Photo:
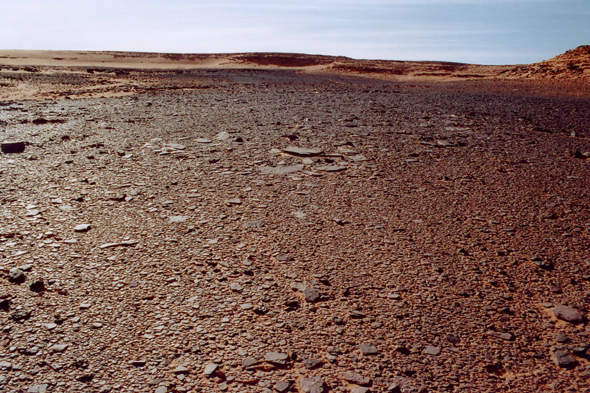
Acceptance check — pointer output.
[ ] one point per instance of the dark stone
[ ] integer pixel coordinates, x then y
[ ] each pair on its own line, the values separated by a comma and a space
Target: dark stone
311, 363
567, 313
564, 359
311, 295
86, 378
37, 286
20, 315
10, 147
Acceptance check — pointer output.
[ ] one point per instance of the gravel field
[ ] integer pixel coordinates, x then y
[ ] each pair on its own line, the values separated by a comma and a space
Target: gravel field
258, 231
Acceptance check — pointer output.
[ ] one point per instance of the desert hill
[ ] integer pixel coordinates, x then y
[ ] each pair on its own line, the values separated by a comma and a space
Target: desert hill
39, 74
573, 64
19, 59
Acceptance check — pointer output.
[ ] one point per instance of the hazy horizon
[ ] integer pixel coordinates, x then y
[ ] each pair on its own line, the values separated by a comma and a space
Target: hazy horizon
467, 31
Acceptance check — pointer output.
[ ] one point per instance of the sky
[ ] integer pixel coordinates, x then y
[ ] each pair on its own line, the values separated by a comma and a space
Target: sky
469, 31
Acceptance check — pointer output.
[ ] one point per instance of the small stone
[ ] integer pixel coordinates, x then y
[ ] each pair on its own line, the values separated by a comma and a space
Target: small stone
567, 313
312, 385
254, 224
20, 315
246, 306
249, 362
431, 350
174, 219
302, 151
184, 370
277, 358
561, 338
282, 386
453, 339
5, 304
311, 363
161, 389
109, 245
359, 390
38, 388
234, 201
502, 336
333, 168
203, 140
401, 385
82, 228
564, 359
223, 136
59, 348
11, 147
356, 378
369, 350
97, 325
210, 369
85, 306
51, 326
281, 170
37, 285
236, 287
16, 275
311, 295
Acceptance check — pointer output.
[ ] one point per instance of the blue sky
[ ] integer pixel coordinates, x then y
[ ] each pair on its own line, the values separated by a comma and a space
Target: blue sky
472, 31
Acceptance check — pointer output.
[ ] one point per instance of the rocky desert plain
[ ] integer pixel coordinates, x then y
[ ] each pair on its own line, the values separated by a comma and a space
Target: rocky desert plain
266, 222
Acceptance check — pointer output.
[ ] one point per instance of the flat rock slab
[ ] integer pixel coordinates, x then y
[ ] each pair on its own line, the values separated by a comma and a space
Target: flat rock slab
282, 386
176, 146
432, 350
564, 359
38, 388
254, 224
311, 295
369, 350
302, 151
281, 170
355, 378
312, 385
332, 168
568, 313
501, 336
82, 228
109, 245
10, 147
210, 369
277, 358
174, 219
